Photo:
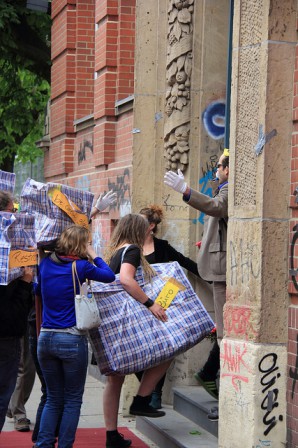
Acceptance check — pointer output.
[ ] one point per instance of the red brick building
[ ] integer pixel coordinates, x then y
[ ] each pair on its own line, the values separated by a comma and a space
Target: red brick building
91, 98
93, 56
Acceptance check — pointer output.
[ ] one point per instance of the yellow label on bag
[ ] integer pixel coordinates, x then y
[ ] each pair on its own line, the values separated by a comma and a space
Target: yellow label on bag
169, 292
69, 207
18, 258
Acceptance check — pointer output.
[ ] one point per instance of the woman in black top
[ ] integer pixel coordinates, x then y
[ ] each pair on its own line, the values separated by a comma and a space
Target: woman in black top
124, 255
157, 250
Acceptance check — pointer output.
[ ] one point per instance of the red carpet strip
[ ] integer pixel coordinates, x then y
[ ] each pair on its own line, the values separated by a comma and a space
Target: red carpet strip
85, 438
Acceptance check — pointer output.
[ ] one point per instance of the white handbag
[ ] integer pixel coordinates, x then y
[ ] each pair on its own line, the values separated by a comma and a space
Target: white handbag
86, 309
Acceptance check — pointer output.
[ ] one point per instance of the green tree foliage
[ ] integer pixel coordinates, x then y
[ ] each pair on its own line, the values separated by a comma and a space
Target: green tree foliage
24, 80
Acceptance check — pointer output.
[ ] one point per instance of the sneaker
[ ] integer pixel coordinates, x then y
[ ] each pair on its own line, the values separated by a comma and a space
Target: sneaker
156, 400
213, 415
22, 425
209, 386
117, 440
140, 406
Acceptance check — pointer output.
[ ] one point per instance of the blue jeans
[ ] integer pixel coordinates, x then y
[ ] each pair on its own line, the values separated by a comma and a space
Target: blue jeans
63, 358
10, 352
43, 398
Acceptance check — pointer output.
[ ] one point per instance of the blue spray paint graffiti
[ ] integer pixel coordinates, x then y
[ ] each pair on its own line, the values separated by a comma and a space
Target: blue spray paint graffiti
214, 119
97, 239
206, 189
83, 183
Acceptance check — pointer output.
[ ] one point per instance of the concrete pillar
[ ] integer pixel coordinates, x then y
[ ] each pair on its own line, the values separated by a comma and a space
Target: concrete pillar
180, 82
252, 404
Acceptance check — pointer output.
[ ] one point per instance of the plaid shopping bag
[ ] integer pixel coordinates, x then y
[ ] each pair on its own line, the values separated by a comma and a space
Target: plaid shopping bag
17, 234
7, 181
48, 202
131, 339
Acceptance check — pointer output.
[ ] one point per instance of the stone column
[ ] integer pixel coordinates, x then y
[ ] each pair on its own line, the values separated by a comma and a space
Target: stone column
180, 83
252, 404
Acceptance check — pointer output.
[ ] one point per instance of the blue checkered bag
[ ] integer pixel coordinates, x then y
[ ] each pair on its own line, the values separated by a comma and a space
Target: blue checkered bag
50, 220
17, 231
131, 339
7, 181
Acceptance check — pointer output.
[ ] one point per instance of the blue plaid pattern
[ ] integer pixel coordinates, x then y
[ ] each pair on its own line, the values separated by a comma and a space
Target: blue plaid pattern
7, 181
17, 231
50, 220
131, 339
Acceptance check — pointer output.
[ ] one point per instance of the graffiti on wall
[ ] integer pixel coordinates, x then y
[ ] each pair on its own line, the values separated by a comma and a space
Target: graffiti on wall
234, 363
205, 186
245, 262
293, 373
169, 206
214, 119
98, 241
84, 146
83, 183
121, 186
262, 443
238, 322
293, 271
269, 375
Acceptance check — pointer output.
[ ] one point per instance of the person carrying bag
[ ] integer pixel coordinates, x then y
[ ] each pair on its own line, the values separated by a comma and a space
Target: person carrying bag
62, 347
87, 313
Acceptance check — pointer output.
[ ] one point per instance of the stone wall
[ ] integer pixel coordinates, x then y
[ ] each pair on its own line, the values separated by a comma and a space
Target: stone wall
254, 351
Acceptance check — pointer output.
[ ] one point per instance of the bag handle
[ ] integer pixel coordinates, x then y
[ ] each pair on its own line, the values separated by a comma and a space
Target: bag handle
124, 252
74, 276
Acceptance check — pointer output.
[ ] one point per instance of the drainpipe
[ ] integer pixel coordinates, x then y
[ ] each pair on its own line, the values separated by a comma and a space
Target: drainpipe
229, 77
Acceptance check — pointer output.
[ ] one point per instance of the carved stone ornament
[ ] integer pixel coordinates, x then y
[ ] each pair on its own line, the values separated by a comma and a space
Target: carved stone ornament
178, 77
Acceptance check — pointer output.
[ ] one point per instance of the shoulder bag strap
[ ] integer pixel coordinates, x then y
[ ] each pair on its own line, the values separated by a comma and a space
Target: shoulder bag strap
124, 252
74, 276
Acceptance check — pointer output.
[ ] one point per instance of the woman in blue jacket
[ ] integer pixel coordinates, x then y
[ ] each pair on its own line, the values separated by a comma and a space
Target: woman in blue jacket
62, 348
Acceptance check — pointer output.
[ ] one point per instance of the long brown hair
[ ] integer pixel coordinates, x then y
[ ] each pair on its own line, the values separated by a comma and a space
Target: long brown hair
131, 229
154, 215
73, 241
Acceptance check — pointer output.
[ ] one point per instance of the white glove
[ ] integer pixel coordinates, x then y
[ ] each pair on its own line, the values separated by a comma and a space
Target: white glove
175, 181
105, 201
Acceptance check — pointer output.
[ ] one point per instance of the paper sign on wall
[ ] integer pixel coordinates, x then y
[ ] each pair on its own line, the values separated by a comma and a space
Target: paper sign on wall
169, 292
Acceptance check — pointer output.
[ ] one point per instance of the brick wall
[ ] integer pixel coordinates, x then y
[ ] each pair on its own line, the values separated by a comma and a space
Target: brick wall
92, 68
292, 385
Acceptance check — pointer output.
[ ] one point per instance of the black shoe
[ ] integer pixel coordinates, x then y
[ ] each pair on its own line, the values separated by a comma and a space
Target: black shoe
141, 406
116, 440
213, 415
156, 400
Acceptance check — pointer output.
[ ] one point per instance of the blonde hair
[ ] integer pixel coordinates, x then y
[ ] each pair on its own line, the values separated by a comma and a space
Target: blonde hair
73, 241
131, 229
154, 215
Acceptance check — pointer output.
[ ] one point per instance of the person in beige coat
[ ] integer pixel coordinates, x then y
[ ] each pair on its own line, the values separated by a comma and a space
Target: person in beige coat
212, 254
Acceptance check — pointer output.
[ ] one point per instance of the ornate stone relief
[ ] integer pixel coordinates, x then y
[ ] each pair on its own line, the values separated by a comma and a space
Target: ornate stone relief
178, 77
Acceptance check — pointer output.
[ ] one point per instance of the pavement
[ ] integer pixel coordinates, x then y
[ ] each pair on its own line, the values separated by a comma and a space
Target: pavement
91, 411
